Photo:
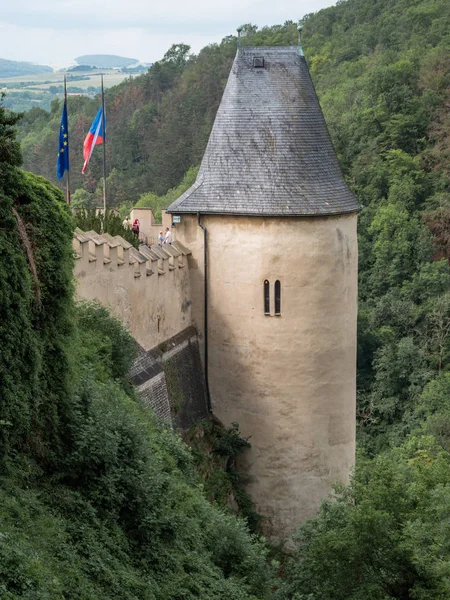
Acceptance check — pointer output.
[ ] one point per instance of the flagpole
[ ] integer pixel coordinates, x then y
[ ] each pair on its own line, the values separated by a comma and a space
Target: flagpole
68, 146
104, 148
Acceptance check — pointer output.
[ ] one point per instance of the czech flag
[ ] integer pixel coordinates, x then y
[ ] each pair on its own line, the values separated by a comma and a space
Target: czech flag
94, 137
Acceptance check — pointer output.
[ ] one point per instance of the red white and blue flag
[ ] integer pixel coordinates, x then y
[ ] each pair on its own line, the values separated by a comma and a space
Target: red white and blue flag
93, 138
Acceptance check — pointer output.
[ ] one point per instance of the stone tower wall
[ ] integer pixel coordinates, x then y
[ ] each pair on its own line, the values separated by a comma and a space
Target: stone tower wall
288, 380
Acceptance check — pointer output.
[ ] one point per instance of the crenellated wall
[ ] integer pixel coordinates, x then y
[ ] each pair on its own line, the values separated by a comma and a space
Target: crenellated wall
148, 289
149, 227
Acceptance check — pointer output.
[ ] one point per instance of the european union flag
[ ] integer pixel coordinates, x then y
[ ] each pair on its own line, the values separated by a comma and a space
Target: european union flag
62, 163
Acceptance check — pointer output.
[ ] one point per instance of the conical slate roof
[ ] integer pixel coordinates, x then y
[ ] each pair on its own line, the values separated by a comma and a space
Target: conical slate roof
269, 152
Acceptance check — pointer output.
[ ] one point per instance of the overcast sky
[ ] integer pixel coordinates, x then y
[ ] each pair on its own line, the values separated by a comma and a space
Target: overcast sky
56, 31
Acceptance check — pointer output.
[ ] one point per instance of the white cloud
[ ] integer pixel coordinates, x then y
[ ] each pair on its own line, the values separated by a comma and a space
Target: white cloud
51, 31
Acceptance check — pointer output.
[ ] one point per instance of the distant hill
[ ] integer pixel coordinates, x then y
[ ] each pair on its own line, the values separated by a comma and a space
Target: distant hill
82, 68
106, 61
13, 68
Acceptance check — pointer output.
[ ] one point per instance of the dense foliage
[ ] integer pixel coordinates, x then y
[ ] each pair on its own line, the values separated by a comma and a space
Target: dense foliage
215, 449
96, 499
35, 307
385, 536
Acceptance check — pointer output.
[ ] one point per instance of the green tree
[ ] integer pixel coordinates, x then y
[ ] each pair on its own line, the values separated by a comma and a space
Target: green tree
372, 540
399, 243
82, 199
177, 54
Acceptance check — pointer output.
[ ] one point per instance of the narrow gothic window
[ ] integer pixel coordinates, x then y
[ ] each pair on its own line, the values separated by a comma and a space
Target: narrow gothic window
266, 297
277, 297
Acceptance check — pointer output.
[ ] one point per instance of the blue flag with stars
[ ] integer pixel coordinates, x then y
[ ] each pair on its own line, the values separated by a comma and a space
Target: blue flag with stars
62, 164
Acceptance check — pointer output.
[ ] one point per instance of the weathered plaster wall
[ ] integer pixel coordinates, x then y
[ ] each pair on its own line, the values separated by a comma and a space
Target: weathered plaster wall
188, 229
289, 381
150, 293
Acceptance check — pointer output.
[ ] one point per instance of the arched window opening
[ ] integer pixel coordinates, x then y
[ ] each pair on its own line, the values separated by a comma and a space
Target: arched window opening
266, 297
277, 297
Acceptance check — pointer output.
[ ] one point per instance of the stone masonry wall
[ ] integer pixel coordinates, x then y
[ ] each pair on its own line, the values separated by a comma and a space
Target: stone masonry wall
147, 375
184, 377
169, 380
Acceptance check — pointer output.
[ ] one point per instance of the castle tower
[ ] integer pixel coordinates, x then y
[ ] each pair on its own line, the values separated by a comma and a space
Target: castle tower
278, 223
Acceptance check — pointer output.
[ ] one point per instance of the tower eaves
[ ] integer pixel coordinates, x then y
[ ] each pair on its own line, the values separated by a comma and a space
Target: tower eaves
269, 152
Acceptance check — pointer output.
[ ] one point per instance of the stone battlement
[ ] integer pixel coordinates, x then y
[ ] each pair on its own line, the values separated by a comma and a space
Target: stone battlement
148, 289
94, 251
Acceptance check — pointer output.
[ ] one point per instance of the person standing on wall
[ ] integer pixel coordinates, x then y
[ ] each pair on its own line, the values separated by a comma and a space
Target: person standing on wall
161, 238
135, 227
168, 236
127, 223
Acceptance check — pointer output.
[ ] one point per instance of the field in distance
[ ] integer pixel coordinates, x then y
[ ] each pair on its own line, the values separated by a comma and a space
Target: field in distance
44, 80
26, 91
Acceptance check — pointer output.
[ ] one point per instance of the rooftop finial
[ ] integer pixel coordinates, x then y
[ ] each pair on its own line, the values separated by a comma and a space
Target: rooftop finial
239, 30
300, 49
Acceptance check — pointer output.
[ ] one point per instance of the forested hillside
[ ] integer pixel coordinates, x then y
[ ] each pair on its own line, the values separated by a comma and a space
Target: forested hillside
382, 72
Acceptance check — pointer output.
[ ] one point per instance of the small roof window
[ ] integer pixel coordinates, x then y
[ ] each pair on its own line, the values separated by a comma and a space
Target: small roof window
258, 62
